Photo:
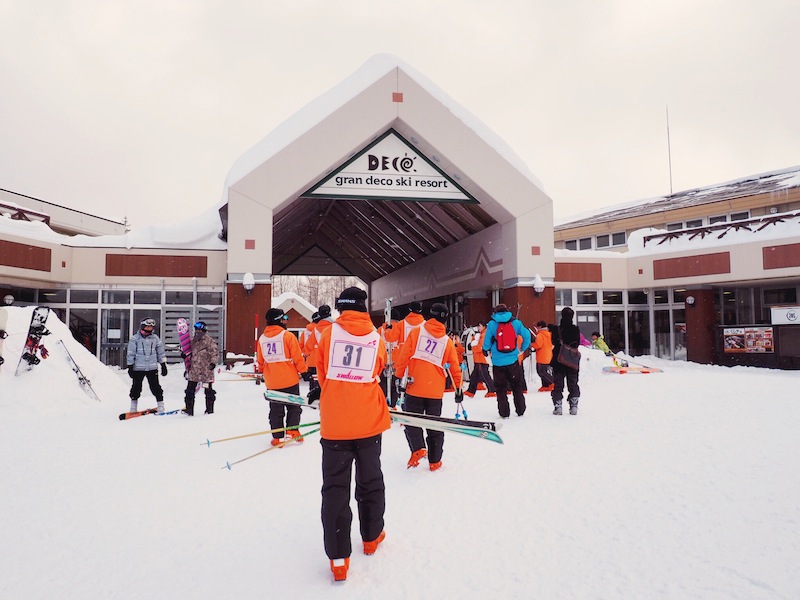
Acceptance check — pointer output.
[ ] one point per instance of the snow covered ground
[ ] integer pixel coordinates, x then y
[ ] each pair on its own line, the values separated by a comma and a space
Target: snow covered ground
682, 484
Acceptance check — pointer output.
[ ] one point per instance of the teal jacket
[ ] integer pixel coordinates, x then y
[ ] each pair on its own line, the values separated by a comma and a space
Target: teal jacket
503, 359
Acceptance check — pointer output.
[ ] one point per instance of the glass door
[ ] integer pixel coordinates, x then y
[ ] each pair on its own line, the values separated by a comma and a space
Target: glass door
116, 323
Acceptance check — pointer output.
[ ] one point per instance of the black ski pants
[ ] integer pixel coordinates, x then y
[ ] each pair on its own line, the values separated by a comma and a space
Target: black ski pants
480, 372
560, 375
434, 439
545, 371
152, 381
338, 457
277, 412
509, 377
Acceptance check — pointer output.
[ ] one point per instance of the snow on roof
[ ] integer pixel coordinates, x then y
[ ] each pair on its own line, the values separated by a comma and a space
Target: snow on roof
200, 232
328, 103
763, 183
288, 300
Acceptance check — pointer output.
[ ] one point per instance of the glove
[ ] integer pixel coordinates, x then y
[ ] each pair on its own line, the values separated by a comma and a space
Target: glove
485, 353
459, 396
183, 355
388, 326
211, 366
306, 376
398, 385
130, 371
313, 395
163, 369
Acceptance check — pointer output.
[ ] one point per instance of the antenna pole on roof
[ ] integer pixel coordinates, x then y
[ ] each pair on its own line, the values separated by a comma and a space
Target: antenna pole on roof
669, 154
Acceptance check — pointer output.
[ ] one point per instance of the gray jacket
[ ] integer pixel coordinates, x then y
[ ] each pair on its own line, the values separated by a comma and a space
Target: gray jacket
145, 353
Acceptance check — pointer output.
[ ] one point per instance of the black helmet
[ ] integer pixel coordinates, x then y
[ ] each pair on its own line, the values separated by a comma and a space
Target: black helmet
200, 325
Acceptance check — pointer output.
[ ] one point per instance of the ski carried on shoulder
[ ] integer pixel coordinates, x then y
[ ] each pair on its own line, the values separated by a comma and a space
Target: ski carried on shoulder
486, 430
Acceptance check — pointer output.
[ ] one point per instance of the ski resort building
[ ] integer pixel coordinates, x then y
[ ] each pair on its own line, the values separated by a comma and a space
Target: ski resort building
387, 178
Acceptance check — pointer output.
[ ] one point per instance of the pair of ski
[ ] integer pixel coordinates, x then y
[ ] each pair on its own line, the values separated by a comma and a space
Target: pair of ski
486, 430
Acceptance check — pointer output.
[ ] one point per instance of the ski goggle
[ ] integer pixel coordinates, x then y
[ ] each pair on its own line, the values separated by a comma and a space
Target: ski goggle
200, 325
148, 323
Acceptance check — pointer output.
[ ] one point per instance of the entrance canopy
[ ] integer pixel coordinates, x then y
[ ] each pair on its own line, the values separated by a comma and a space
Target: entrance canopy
381, 172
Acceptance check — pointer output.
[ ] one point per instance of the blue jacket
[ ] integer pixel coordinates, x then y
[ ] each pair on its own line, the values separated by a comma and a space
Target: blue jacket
502, 359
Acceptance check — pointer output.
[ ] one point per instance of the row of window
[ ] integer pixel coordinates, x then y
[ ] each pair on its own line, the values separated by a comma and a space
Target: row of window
568, 297
714, 220
605, 240
61, 296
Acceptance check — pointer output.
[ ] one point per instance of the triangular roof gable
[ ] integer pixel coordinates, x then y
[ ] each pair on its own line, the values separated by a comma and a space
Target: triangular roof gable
390, 168
329, 130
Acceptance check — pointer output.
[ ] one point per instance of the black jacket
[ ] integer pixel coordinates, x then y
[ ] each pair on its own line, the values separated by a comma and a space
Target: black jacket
571, 336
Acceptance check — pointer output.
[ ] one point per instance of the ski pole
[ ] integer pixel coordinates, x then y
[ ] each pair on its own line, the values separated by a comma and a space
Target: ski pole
246, 435
228, 465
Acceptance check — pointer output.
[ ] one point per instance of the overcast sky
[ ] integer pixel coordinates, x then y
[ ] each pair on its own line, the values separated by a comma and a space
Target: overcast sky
140, 108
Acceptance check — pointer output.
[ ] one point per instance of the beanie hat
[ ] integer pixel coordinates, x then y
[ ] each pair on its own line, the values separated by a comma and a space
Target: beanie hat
439, 312
324, 311
275, 316
353, 298
500, 308
415, 307
567, 313
315, 318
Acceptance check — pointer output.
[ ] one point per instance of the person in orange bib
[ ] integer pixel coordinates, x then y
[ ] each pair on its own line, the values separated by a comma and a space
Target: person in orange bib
427, 355
353, 416
280, 359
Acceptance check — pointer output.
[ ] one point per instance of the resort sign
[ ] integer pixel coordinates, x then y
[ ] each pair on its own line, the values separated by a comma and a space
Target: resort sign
390, 168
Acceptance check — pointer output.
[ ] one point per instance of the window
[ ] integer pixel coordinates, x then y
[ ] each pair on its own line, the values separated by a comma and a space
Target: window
563, 297
585, 243
637, 297
618, 239
660, 296
603, 241
52, 296
571, 245
209, 298
146, 297
679, 295
612, 297
116, 297
740, 216
674, 226
780, 296
694, 223
83, 297
180, 298
717, 219
587, 297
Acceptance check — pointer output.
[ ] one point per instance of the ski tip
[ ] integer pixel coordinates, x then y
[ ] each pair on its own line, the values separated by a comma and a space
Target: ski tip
227, 466
122, 417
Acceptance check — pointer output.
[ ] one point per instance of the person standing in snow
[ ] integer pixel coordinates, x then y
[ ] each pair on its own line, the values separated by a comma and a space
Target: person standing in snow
353, 416
566, 333
145, 354
427, 355
480, 366
543, 345
506, 368
280, 360
204, 359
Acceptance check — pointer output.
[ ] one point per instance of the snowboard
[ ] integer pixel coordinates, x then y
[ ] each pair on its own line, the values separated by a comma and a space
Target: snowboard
82, 379
185, 338
34, 350
3, 334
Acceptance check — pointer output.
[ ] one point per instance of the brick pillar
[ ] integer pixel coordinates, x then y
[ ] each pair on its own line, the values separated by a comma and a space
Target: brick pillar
240, 316
534, 308
701, 324
476, 309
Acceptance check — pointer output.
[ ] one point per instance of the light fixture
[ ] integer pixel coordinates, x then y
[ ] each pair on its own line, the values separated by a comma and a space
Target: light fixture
8, 299
690, 300
538, 285
248, 282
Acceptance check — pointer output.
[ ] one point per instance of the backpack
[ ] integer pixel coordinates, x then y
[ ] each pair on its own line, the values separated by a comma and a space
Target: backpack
506, 337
